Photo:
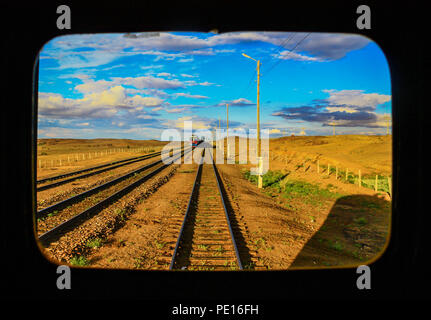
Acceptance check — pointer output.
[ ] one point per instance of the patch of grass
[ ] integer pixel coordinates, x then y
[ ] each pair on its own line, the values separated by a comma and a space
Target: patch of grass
362, 221
271, 178
260, 243
79, 261
159, 245
370, 205
138, 263
121, 213
94, 243
310, 193
175, 205
336, 245
219, 249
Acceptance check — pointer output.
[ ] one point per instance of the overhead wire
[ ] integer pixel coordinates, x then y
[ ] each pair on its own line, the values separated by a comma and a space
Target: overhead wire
290, 51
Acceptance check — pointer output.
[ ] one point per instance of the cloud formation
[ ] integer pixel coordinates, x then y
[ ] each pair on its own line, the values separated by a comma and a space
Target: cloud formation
98, 104
85, 51
345, 108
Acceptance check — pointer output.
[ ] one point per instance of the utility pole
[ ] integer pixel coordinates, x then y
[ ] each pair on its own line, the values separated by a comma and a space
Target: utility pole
259, 158
227, 129
333, 127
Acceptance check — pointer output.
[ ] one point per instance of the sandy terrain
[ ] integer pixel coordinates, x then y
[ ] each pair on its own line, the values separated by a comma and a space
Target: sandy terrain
307, 219
370, 154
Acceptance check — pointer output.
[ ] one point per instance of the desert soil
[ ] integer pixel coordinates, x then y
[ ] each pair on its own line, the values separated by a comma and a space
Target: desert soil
349, 227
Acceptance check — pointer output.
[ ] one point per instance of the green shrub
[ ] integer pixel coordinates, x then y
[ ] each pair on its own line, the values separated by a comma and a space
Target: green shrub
271, 178
79, 261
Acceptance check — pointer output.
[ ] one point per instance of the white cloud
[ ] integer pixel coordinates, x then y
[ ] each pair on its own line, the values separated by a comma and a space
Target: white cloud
165, 74
356, 98
285, 55
184, 75
187, 95
99, 104
176, 110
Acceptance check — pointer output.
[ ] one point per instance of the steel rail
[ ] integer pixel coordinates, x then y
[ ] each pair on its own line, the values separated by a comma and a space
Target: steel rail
196, 185
64, 175
62, 204
86, 175
54, 233
189, 206
226, 214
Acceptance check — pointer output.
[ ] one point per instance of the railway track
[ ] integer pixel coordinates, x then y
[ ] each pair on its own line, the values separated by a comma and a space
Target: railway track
84, 173
206, 240
77, 209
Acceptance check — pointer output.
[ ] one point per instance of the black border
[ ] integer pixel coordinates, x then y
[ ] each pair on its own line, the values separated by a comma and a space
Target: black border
400, 31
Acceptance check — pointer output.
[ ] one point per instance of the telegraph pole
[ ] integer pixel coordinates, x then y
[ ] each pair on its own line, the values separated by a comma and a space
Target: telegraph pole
259, 158
227, 129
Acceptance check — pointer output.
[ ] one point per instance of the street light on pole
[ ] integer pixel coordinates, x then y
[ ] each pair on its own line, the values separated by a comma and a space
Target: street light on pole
259, 158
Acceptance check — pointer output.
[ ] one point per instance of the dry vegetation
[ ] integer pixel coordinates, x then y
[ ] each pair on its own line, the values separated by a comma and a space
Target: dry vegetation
370, 154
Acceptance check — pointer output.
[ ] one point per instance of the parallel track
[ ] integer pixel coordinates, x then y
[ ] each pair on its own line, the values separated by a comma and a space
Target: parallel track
206, 240
91, 171
51, 235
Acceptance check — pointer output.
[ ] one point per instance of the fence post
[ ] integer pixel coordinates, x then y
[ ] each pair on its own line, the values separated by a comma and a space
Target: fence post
318, 166
336, 172
375, 185
328, 169
359, 180
347, 173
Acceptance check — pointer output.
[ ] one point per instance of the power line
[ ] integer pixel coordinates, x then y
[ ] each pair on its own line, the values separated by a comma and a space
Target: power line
281, 46
290, 51
248, 85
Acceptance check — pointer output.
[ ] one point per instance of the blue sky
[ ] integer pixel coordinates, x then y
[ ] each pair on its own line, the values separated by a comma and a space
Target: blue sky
137, 85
